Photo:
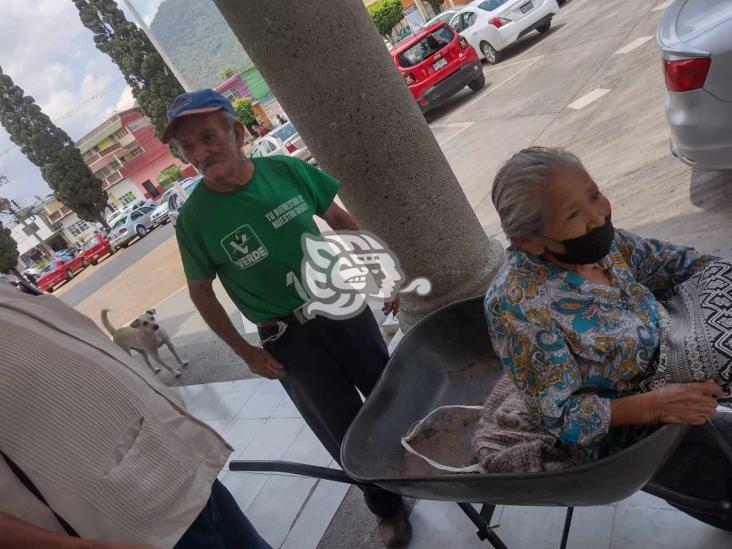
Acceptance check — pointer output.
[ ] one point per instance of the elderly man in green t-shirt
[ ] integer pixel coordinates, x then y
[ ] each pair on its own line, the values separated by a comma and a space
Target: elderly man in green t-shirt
231, 228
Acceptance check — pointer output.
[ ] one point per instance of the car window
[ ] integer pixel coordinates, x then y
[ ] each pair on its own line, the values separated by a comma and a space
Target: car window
256, 151
269, 146
284, 132
490, 5
173, 202
50, 267
145, 209
426, 47
457, 23
468, 19
137, 214
120, 223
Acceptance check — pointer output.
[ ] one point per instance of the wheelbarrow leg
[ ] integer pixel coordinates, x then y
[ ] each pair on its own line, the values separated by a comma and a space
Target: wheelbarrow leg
567, 526
482, 521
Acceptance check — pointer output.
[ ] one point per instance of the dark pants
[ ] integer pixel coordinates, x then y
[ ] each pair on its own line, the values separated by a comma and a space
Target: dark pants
327, 363
221, 525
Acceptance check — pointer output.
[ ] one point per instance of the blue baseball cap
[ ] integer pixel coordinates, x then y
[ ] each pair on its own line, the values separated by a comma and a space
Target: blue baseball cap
196, 102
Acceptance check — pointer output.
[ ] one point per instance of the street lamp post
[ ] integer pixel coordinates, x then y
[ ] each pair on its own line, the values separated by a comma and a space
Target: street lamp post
156, 44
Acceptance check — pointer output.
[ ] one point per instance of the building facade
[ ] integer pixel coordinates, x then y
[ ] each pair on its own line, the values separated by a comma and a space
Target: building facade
125, 155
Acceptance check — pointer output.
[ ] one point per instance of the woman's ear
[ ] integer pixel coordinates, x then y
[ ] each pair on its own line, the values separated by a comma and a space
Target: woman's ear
530, 244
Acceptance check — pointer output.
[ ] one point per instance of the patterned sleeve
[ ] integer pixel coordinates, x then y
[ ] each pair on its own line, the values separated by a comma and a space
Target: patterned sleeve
659, 265
536, 357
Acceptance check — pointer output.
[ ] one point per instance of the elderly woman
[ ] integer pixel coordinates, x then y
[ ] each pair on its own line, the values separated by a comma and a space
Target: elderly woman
572, 311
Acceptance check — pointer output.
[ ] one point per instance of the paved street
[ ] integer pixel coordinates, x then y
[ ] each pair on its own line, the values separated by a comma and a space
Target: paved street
593, 85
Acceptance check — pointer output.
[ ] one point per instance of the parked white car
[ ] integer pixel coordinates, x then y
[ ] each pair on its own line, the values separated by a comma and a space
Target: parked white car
135, 222
443, 17
490, 26
282, 140
175, 200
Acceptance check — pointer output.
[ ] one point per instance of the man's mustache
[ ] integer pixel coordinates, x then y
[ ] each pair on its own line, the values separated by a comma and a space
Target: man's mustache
211, 160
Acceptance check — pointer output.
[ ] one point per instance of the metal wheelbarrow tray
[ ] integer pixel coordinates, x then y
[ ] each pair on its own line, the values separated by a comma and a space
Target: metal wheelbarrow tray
447, 358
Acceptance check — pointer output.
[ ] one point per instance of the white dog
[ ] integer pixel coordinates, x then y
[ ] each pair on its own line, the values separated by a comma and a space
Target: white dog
145, 336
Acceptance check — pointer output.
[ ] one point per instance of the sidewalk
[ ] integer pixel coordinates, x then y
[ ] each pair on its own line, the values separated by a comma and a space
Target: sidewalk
258, 419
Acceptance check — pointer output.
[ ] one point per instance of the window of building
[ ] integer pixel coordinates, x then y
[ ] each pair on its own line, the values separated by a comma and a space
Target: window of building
78, 228
127, 198
119, 134
139, 123
30, 228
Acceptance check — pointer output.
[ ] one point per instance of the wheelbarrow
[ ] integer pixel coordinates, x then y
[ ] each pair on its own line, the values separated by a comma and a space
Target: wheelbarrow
447, 358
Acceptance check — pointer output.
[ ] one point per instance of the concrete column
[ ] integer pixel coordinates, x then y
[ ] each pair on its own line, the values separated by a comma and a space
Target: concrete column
330, 70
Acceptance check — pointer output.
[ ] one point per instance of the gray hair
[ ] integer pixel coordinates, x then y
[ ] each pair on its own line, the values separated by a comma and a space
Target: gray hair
518, 183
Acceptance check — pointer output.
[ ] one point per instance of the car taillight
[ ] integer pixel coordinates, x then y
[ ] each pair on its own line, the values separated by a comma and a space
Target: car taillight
462, 42
686, 74
498, 22
409, 79
290, 148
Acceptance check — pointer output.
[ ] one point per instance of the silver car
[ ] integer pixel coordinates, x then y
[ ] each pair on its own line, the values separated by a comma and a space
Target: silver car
284, 140
695, 37
133, 223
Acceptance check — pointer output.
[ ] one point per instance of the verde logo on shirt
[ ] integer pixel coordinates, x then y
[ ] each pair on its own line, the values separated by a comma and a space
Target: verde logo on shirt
244, 247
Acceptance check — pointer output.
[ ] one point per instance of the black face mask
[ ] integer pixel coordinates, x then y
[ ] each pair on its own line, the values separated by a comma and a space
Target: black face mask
590, 247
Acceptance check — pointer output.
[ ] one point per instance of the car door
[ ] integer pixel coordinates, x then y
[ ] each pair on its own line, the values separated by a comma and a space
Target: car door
146, 215
468, 19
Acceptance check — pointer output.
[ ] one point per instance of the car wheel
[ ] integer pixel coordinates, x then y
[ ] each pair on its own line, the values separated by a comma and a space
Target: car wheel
95, 262
545, 27
141, 231
50, 289
84, 264
478, 83
69, 274
491, 55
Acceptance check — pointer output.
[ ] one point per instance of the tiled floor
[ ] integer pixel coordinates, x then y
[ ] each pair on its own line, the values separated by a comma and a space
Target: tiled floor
258, 419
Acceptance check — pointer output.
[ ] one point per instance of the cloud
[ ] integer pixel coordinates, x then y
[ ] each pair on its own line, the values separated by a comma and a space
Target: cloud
126, 100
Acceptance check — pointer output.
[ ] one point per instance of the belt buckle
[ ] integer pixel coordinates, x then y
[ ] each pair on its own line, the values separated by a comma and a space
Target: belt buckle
299, 315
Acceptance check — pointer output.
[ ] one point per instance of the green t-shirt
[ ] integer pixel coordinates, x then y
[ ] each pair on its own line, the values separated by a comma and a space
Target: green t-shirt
250, 237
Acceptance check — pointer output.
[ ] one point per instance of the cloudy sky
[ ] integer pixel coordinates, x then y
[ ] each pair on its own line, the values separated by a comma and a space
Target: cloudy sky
51, 55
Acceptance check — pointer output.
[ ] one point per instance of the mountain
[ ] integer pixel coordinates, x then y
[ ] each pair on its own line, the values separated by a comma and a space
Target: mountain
198, 40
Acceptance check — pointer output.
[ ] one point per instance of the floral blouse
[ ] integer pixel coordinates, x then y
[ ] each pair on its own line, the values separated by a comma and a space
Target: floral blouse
570, 344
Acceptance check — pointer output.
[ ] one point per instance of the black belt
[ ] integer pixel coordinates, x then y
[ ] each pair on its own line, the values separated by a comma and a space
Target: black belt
295, 317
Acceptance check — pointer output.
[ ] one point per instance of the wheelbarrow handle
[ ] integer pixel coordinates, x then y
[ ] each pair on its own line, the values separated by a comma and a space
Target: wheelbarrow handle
314, 471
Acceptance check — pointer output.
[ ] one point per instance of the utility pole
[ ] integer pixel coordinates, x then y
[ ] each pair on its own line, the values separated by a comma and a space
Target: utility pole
156, 45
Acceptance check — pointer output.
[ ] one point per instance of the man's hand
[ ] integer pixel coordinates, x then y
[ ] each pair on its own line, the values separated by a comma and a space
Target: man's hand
262, 363
391, 306
689, 403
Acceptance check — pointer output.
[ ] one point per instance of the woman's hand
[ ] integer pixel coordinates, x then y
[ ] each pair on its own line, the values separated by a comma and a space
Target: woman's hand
689, 403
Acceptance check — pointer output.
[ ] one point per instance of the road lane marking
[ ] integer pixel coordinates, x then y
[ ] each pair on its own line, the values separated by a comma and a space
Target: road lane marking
638, 42
493, 88
461, 127
663, 6
585, 100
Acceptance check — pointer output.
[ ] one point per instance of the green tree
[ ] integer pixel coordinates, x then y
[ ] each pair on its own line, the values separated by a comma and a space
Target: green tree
153, 84
386, 15
52, 150
169, 175
8, 251
228, 72
244, 110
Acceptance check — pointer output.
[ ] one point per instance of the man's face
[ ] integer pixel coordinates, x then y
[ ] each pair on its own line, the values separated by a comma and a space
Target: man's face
206, 143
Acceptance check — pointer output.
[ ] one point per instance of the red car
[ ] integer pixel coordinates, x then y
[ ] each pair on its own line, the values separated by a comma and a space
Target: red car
436, 63
97, 247
59, 271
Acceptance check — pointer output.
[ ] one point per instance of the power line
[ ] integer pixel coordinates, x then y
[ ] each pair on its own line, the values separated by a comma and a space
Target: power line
79, 107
